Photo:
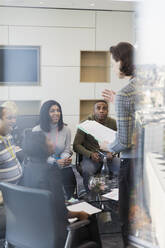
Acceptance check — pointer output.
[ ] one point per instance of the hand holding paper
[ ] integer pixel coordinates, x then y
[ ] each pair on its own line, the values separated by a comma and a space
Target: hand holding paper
95, 157
104, 146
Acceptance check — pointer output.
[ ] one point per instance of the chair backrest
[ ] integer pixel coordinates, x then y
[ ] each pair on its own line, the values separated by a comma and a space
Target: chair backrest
27, 121
30, 217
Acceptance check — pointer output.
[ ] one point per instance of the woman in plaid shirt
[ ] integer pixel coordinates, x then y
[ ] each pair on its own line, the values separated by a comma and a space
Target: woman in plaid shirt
125, 102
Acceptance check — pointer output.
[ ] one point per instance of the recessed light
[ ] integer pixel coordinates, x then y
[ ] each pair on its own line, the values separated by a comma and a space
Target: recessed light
92, 4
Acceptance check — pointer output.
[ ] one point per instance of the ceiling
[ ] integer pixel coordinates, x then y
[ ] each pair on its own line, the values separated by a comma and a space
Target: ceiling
73, 4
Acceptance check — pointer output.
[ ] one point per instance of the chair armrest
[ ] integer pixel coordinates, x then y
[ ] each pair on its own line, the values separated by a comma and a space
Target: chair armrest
77, 225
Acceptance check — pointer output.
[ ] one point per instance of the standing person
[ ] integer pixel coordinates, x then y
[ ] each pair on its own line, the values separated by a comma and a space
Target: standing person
10, 168
51, 122
125, 100
88, 147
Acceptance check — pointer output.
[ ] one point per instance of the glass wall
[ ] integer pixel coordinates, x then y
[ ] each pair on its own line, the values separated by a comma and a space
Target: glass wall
147, 210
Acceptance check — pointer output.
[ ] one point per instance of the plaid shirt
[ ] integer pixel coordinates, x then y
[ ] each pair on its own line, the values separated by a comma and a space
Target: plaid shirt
125, 112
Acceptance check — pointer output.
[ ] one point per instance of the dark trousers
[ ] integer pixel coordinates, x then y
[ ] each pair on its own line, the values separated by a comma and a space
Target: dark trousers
69, 182
126, 178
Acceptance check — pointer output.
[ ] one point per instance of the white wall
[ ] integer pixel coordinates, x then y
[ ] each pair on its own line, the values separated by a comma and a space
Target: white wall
62, 34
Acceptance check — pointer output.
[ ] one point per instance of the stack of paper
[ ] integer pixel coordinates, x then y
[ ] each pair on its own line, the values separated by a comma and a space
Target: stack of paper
98, 131
84, 206
113, 195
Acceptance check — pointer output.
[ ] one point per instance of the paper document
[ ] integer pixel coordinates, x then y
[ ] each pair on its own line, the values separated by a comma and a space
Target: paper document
113, 195
98, 131
72, 220
84, 206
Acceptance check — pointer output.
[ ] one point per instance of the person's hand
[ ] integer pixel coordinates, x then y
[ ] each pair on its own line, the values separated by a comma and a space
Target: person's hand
68, 161
104, 146
64, 161
108, 95
18, 149
95, 157
109, 156
82, 215
61, 162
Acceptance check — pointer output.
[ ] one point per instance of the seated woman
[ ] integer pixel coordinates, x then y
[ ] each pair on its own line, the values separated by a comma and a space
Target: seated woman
39, 174
51, 123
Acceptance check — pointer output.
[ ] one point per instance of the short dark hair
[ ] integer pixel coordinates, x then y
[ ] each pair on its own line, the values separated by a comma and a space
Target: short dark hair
34, 144
101, 101
1, 111
45, 120
124, 52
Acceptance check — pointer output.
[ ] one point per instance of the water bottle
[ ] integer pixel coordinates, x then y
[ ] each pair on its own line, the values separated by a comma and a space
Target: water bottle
104, 169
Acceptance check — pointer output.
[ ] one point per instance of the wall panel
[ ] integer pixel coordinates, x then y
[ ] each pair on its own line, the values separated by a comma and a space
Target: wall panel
59, 46
113, 27
26, 92
3, 92
46, 17
3, 35
62, 34
63, 85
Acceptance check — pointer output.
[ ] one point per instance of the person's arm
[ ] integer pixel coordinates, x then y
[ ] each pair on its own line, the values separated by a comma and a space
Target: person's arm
67, 149
66, 154
78, 144
81, 215
124, 125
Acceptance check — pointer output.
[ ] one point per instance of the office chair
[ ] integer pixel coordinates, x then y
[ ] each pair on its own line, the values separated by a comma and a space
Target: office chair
2, 222
30, 221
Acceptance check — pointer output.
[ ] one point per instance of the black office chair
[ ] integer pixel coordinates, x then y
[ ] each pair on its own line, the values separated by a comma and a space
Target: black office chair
2, 222
30, 221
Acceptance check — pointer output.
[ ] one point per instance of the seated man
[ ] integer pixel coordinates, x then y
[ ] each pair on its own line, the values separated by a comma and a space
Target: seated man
87, 146
10, 168
12, 107
14, 130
